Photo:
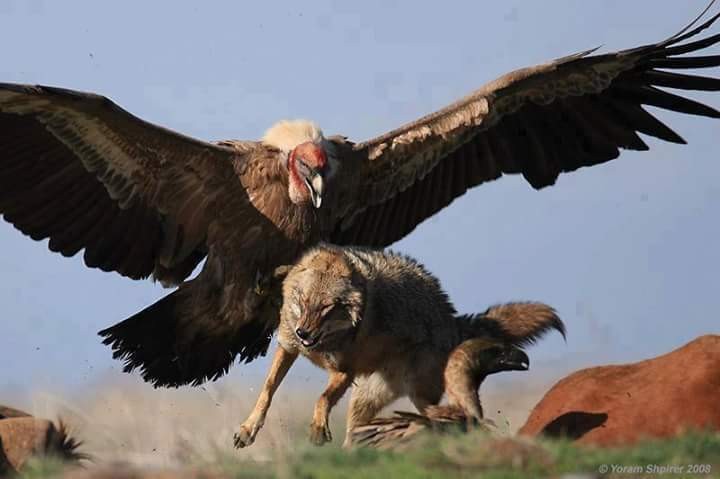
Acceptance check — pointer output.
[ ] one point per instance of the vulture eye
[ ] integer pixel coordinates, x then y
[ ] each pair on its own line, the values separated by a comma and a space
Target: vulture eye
304, 168
495, 351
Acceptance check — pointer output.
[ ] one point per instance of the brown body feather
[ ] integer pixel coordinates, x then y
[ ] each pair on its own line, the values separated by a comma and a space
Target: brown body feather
403, 427
222, 315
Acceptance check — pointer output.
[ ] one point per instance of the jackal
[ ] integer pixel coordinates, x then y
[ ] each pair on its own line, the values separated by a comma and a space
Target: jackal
380, 322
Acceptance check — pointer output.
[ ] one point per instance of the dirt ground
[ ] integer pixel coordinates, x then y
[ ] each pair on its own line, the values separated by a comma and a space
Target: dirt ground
127, 421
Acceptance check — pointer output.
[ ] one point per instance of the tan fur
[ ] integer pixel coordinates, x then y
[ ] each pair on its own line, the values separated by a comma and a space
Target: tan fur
370, 319
521, 319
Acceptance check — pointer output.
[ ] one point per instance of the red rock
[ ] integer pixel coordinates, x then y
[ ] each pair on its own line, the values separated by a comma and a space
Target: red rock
8, 412
618, 405
23, 436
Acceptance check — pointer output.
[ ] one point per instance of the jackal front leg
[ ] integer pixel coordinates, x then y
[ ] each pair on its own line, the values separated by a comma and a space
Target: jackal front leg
281, 363
338, 383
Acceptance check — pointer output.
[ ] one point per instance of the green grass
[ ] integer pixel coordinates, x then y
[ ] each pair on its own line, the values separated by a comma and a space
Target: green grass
40, 468
476, 455
468, 456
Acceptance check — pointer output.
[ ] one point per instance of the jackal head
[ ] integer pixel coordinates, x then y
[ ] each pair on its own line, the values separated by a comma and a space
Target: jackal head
323, 299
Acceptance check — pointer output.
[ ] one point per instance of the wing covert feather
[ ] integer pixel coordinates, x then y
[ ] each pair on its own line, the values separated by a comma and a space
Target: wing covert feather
580, 110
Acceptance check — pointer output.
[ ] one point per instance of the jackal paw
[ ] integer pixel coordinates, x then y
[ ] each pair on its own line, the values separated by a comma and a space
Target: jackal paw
320, 434
245, 435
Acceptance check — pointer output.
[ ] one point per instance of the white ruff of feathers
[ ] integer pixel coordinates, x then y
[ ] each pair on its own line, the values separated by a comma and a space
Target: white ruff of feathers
285, 135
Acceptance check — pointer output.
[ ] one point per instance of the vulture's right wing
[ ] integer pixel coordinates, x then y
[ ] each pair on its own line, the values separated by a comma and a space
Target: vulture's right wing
539, 122
78, 169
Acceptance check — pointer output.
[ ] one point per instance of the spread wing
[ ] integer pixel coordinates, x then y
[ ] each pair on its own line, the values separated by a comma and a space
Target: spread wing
81, 171
539, 121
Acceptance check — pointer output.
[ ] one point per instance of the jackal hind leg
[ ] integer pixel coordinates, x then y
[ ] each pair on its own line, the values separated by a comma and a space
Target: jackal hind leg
370, 394
427, 385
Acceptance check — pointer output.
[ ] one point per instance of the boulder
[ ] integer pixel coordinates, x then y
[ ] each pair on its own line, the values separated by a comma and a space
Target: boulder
619, 405
23, 436
9, 412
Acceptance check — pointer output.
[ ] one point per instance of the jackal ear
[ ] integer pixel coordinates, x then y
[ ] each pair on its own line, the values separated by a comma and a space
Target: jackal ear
355, 301
355, 304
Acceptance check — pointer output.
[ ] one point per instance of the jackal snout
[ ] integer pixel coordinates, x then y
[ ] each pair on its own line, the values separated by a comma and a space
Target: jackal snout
309, 329
319, 327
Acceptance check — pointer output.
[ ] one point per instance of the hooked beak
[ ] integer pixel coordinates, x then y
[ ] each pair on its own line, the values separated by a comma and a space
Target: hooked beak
315, 186
512, 359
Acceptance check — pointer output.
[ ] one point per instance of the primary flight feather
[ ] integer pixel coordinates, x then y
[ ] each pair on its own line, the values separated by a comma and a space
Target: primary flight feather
145, 201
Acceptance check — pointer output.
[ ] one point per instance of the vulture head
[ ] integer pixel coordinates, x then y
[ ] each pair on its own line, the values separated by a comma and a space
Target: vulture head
306, 157
470, 363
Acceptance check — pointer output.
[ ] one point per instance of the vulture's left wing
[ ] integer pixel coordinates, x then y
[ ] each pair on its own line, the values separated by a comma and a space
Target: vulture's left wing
539, 121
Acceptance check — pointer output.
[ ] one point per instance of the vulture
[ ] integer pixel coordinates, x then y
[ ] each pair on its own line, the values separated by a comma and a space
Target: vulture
144, 201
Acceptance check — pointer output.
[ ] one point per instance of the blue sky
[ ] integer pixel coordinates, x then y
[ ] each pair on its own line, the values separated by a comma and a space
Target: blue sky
627, 252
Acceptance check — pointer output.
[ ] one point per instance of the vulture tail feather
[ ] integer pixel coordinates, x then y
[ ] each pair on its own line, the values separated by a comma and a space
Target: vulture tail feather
179, 341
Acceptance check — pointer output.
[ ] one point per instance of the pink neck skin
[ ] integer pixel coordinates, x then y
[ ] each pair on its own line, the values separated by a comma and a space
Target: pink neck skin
315, 157
297, 189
